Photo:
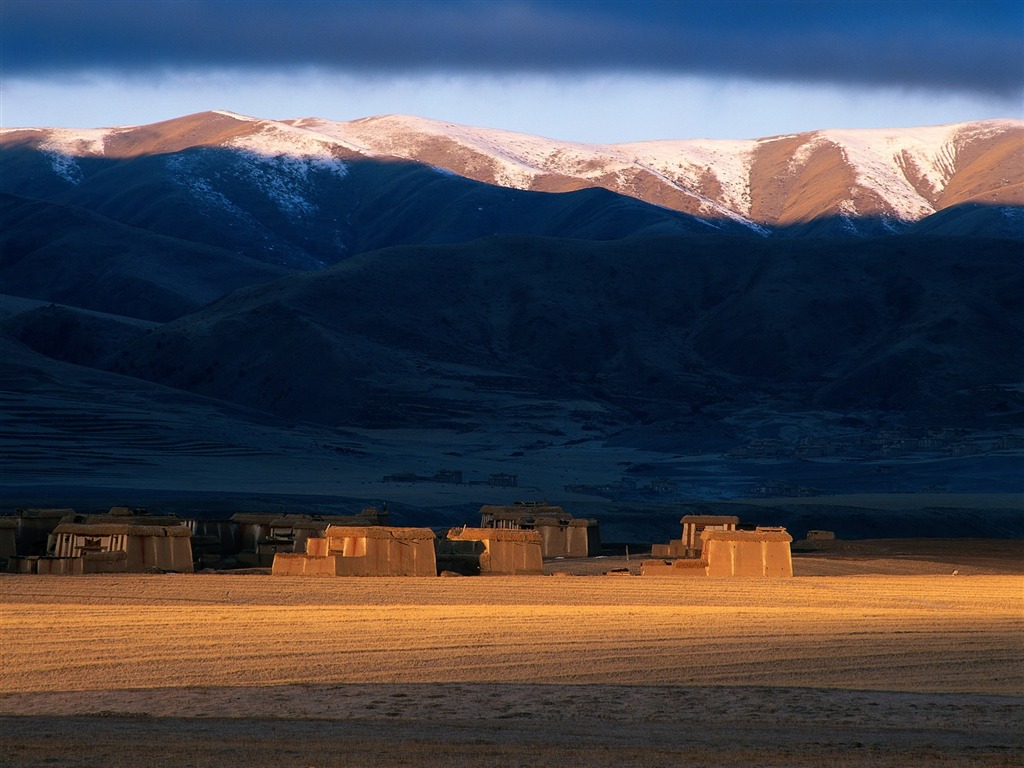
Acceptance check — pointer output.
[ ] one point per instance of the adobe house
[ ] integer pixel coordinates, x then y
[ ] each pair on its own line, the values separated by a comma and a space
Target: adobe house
34, 526
694, 527
562, 535
488, 551
689, 545
260, 536
120, 547
346, 550
761, 552
816, 540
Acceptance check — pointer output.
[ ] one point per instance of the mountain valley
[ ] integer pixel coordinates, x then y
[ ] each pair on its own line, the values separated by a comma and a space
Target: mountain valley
297, 309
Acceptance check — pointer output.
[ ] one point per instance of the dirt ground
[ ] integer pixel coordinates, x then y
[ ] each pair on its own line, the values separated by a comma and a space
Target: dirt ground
914, 667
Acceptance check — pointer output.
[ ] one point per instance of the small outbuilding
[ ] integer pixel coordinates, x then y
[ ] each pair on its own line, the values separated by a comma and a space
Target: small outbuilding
490, 551
694, 527
761, 552
562, 535
363, 551
689, 544
122, 547
260, 536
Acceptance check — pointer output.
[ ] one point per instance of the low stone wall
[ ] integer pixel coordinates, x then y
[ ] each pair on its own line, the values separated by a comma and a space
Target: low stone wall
53, 566
291, 564
689, 568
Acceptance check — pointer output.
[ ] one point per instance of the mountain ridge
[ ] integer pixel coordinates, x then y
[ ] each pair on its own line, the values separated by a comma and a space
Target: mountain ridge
893, 176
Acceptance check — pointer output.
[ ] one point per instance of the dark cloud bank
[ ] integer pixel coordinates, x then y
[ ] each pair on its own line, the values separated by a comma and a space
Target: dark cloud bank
960, 46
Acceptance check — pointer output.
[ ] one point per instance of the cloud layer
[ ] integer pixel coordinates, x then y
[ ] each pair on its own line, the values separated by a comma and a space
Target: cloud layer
947, 46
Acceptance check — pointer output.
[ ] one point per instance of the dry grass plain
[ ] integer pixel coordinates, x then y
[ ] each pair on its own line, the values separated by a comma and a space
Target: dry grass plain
243, 670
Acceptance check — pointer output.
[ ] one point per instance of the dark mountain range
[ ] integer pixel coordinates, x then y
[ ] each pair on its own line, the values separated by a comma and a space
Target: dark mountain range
67, 255
220, 302
307, 215
652, 326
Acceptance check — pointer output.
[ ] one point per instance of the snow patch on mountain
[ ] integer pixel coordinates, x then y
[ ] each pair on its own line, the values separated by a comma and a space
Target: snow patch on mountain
65, 166
278, 141
280, 160
186, 172
236, 116
904, 170
688, 161
77, 142
332, 131
707, 207
63, 146
519, 160
881, 160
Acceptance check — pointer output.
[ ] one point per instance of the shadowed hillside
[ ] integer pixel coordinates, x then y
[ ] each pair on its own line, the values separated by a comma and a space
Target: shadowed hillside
64, 254
653, 328
305, 214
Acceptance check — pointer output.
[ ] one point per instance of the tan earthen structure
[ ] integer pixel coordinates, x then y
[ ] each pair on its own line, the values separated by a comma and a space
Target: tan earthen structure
821, 535
689, 544
761, 552
490, 551
260, 536
114, 548
562, 535
363, 551
694, 527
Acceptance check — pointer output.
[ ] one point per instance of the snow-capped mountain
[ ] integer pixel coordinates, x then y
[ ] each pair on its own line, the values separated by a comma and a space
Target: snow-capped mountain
691, 297
821, 182
895, 175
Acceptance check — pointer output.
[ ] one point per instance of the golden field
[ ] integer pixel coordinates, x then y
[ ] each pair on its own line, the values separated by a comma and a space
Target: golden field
215, 669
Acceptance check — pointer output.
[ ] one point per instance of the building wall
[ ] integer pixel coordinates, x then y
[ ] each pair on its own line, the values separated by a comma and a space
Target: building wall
566, 540
141, 553
695, 525
747, 557
689, 568
55, 566
390, 557
357, 551
291, 564
506, 552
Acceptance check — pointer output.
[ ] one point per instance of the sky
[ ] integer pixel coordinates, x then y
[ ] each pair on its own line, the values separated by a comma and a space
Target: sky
597, 71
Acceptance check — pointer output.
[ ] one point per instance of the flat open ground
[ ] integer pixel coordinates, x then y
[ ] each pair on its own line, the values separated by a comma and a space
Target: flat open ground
243, 670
